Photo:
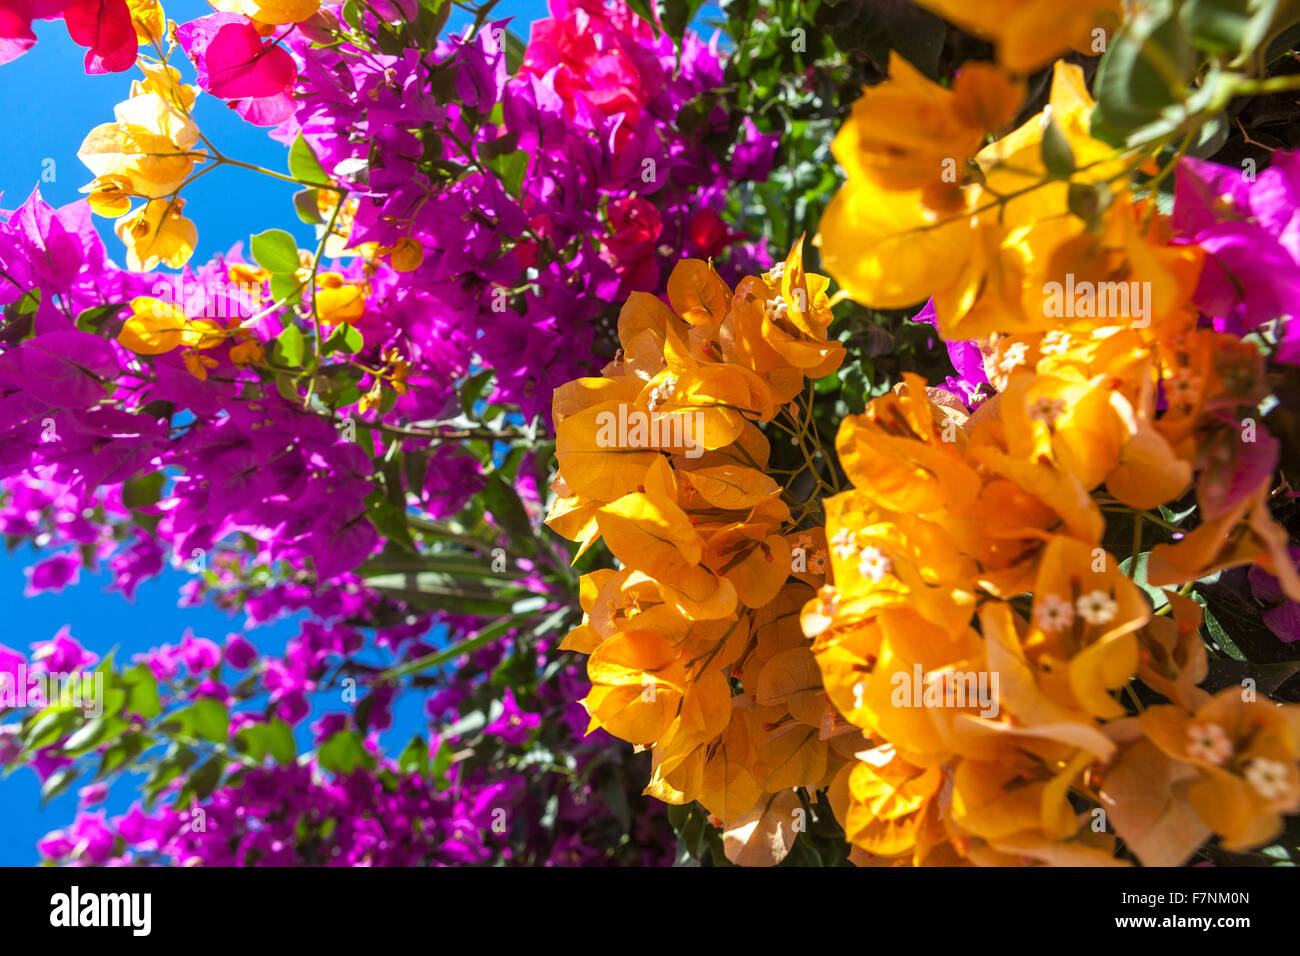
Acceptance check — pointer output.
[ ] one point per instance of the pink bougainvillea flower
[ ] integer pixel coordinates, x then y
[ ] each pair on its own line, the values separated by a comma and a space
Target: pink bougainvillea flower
105, 27
241, 64
709, 235
16, 16
255, 76
16, 36
635, 225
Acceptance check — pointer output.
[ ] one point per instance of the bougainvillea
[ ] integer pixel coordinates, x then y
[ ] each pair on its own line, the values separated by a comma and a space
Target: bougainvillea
989, 674
883, 414
302, 428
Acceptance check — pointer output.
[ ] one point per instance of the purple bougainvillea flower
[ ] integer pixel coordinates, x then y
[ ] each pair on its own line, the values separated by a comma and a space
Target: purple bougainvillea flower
240, 654
1282, 616
63, 654
971, 384
53, 574
514, 725
198, 653
1250, 230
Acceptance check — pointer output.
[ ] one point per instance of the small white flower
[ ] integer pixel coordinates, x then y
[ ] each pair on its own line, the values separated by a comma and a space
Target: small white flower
1013, 357
817, 562
1055, 343
1268, 777
842, 544
1097, 607
829, 597
1046, 410
777, 271
874, 563
661, 392
1209, 742
775, 308
1053, 613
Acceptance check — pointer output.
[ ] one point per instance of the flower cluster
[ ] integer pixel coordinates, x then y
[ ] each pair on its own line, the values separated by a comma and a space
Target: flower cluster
662, 458
459, 797
272, 418
979, 629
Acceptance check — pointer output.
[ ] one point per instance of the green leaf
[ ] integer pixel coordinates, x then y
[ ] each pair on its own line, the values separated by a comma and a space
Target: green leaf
1145, 70
280, 743
515, 49
307, 206
458, 564
415, 758
503, 503
287, 351
500, 146
127, 747
142, 692
341, 753
57, 782
1058, 157
1240, 629
1216, 26
211, 719
614, 792
145, 490
99, 319
1088, 201
286, 288
510, 169
94, 734
344, 338
178, 759
256, 740
389, 519
440, 764
303, 164
275, 251
50, 725
642, 8
1159, 598
677, 15
287, 387
1238, 30
431, 661
27, 305
430, 21
202, 781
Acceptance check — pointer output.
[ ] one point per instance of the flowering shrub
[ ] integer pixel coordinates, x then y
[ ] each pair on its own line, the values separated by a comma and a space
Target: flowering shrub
1017, 654
348, 433
961, 533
